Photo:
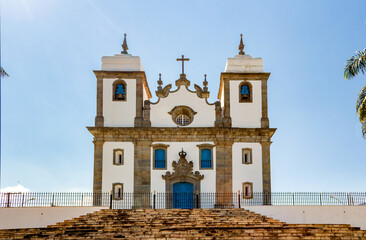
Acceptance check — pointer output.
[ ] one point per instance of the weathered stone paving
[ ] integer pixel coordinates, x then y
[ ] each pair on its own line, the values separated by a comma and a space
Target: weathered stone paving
183, 224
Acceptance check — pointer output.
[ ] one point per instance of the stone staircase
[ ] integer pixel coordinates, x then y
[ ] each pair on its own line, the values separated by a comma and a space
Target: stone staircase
183, 224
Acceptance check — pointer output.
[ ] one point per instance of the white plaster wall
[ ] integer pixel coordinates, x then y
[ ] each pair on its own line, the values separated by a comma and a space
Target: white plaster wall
144, 94
37, 217
222, 97
247, 172
208, 183
160, 117
119, 113
244, 64
246, 115
354, 215
118, 173
121, 62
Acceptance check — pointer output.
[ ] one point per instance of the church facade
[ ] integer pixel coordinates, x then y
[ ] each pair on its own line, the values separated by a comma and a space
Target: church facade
182, 142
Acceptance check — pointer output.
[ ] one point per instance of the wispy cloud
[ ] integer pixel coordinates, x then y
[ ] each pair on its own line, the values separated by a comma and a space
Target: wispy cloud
15, 189
103, 15
27, 9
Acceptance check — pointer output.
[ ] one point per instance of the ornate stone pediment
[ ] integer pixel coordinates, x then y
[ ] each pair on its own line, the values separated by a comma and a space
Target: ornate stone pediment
182, 80
183, 170
164, 92
200, 93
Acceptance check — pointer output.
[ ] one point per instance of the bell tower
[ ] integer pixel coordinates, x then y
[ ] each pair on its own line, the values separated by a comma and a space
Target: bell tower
243, 91
121, 90
243, 97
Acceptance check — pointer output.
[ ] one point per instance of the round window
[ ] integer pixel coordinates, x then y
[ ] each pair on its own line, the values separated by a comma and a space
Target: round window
183, 120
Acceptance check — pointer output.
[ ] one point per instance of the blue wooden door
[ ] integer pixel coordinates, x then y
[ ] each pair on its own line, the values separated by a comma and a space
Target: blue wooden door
183, 195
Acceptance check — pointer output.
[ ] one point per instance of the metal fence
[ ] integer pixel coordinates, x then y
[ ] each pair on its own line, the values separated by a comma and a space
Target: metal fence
62, 199
179, 200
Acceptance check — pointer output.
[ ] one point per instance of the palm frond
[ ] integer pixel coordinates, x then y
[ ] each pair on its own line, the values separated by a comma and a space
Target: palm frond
355, 65
364, 129
361, 104
3, 73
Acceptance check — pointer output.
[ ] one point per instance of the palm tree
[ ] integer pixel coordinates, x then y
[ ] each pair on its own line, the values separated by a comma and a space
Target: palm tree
355, 65
3, 73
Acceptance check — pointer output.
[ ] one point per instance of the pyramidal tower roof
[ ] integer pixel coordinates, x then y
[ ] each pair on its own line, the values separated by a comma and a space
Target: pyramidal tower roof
243, 63
123, 61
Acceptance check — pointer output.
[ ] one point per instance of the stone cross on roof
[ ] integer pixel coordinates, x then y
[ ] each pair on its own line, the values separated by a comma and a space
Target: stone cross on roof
182, 59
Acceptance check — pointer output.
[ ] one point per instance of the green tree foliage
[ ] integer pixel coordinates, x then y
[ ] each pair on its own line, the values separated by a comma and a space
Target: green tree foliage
355, 65
3, 73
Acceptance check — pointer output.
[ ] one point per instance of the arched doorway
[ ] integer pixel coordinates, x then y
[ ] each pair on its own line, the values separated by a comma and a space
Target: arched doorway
183, 184
183, 195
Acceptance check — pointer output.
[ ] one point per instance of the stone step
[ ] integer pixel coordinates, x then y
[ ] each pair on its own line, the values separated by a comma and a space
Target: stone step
183, 224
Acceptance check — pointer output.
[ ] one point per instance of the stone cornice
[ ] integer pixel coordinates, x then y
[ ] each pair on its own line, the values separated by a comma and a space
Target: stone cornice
241, 76
125, 75
162, 134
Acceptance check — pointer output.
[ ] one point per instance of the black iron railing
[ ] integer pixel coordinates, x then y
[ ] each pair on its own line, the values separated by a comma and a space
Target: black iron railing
179, 200
62, 199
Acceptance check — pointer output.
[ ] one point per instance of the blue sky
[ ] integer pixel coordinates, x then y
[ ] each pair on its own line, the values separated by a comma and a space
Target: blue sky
50, 49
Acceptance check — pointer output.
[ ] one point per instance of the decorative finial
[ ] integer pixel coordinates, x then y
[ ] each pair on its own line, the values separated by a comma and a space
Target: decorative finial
241, 45
205, 89
160, 83
182, 154
124, 45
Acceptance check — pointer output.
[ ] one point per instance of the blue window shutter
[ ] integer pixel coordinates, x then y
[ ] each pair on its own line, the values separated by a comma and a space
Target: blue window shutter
160, 158
120, 89
206, 161
244, 90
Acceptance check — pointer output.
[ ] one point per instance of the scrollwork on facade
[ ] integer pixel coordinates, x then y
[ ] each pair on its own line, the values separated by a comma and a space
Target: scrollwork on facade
183, 170
164, 92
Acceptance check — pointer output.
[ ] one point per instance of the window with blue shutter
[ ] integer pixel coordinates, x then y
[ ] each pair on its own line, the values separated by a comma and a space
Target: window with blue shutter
120, 93
206, 158
160, 160
119, 90
245, 92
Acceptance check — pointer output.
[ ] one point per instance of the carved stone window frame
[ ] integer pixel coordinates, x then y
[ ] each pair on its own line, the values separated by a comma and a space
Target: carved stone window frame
159, 146
114, 88
178, 110
250, 185
250, 100
114, 156
247, 150
202, 147
114, 193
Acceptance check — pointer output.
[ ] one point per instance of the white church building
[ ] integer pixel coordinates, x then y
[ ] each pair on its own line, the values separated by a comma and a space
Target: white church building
182, 142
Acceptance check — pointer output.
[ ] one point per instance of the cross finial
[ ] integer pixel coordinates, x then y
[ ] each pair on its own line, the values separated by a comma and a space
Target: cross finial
160, 83
124, 45
182, 59
241, 45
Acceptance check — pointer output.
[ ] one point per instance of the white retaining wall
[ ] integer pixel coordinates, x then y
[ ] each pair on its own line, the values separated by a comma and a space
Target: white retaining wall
36, 217
354, 215
12, 218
